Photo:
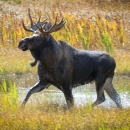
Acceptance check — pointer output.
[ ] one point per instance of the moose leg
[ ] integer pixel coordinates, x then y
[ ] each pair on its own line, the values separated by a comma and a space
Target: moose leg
100, 93
39, 86
69, 97
108, 87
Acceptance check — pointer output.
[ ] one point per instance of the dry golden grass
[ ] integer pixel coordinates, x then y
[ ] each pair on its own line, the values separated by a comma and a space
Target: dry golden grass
87, 26
122, 58
48, 117
15, 61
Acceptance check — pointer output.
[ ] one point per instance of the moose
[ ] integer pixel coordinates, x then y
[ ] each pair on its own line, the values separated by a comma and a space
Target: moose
65, 67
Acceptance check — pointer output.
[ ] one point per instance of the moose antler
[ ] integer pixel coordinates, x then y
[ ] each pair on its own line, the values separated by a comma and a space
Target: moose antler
34, 27
44, 27
57, 27
48, 28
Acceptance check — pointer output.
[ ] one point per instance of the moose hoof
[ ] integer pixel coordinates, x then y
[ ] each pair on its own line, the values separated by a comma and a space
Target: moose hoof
23, 104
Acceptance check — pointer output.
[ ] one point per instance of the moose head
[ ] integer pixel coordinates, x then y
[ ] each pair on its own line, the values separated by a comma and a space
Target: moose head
40, 38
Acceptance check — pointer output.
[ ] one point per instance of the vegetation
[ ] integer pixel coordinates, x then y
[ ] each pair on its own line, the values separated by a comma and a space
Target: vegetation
98, 31
49, 116
78, 118
10, 95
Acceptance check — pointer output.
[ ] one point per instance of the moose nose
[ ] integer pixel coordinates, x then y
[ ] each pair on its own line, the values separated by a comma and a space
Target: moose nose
21, 44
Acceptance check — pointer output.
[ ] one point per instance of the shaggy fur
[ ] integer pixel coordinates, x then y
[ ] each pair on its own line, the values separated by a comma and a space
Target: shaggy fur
66, 67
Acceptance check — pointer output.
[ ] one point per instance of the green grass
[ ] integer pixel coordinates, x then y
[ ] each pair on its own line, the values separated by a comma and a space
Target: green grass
10, 95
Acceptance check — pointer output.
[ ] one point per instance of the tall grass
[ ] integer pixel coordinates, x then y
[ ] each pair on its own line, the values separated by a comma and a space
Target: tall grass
47, 116
10, 95
99, 32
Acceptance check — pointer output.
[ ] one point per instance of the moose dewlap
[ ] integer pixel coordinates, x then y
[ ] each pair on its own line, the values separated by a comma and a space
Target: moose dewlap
65, 67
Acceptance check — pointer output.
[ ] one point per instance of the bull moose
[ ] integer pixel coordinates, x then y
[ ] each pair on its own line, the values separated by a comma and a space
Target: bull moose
65, 67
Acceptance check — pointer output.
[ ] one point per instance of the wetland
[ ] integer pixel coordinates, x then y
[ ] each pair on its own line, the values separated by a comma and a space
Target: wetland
91, 25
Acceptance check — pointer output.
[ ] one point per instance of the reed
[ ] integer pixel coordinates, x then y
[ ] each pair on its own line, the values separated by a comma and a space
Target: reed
85, 33
10, 95
98, 32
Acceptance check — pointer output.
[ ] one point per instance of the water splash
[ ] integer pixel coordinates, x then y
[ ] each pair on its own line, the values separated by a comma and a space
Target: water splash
82, 96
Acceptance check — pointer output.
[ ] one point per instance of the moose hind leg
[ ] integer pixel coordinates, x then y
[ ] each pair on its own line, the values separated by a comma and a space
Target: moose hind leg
100, 93
39, 86
108, 87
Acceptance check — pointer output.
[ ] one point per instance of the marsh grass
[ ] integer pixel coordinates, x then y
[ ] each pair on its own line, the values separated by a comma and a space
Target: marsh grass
50, 117
55, 117
10, 95
98, 32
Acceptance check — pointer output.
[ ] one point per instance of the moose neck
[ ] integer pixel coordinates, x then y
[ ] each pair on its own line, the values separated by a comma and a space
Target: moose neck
51, 42
50, 51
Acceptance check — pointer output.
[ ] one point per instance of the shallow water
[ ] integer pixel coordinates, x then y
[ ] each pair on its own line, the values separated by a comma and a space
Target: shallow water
83, 95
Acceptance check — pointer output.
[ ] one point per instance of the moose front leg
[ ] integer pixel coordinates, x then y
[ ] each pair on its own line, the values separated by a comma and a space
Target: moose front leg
69, 97
39, 86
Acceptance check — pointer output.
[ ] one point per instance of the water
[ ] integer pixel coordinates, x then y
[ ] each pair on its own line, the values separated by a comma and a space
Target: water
80, 98
83, 95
